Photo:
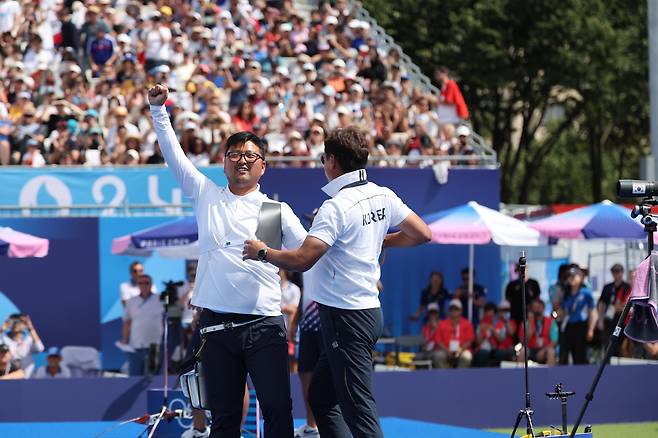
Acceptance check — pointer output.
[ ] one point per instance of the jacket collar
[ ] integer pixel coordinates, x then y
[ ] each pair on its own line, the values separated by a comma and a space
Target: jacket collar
352, 179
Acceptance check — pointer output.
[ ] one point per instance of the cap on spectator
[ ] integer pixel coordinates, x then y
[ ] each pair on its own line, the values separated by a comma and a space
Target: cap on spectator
356, 87
300, 48
132, 153
574, 270
295, 135
455, 303
160, 69
282, 70
166, 10
91, 113
331, 20
93, 9
463, 131
365, 25
197, 29
433, 307
121, 111
226, 14
328, 90
363, 48
53, 351
342, 110
204, 68
308, 67
129, 57
264, 82
74, 68
24, 95
95, 130
124, 38
285, 27
318, 129
29, 110
43, 65
190, 125
355, 24
28, 81
617, 267
206, 34
155, 15
339, 63
255, 65
504, 305
4, 348
319, 116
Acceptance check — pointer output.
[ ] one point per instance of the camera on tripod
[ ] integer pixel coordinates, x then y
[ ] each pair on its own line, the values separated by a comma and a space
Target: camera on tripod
169, 297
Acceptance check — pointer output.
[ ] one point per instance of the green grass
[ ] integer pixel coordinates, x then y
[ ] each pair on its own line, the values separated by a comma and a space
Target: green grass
620, 430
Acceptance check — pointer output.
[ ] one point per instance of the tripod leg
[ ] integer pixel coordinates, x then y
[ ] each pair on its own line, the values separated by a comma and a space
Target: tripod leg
531, 428
516, 423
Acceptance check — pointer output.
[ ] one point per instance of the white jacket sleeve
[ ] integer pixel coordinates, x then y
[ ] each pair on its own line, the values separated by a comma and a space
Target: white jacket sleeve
188, 176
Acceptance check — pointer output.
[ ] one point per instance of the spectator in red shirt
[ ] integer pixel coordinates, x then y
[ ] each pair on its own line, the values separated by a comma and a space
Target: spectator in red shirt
504, 332
485, 337
542, 335
454, 339
451, 98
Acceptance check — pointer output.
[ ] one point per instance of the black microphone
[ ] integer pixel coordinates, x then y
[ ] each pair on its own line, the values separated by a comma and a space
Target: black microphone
632, 188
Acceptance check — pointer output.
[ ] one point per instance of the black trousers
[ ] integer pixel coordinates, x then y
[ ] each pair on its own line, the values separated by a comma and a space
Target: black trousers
259, 349
574, 341
340, 394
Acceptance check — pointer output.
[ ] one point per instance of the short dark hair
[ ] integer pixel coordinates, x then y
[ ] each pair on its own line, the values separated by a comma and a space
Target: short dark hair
349, 146
490, 306
443, 69
148, 277
240, 138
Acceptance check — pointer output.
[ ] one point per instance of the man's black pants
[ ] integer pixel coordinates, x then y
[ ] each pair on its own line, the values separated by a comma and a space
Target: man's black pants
260, 349
341, 389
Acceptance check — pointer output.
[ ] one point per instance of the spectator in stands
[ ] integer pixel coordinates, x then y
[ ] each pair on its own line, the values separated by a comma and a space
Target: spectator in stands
430, 333
504, 335
542, 335
435, 292
479, 296
578, 315
101, 51
22, 340
513, 294
9, 367
455, 339
611, 303
452, 107
129, 289
485, 337
556, 292
290, 295
143, 327
54, 369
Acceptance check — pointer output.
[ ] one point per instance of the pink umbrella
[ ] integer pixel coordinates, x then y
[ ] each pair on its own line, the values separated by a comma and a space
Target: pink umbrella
16, 244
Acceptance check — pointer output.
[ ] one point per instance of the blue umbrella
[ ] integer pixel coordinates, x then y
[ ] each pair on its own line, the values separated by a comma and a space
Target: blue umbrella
177, 238
604, 220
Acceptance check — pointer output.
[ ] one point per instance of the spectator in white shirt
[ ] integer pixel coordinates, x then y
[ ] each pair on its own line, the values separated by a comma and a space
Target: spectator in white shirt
143, 326
129, 289
54, 369
23, 340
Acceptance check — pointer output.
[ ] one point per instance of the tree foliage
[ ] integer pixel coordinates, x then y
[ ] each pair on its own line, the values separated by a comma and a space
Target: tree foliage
537, 73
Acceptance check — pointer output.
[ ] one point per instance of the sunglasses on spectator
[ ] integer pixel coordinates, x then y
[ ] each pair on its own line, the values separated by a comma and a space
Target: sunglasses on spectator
249, 157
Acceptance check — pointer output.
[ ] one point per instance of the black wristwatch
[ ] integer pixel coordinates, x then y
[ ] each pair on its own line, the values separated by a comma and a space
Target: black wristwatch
262, 255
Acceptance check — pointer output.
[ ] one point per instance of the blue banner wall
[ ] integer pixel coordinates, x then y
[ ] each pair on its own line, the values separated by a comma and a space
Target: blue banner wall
80, 278
101, 186
60, 291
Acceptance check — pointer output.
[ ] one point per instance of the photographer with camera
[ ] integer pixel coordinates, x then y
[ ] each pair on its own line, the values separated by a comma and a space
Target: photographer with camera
22, 340
142, 327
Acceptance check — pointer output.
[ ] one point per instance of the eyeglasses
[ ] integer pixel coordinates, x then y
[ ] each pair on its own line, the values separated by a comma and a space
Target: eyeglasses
249, 157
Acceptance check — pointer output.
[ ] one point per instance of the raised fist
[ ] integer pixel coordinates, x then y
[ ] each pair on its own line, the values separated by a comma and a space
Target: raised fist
158, 94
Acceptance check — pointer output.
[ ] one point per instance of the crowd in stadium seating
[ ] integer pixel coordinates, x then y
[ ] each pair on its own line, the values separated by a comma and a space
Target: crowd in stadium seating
73, 77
